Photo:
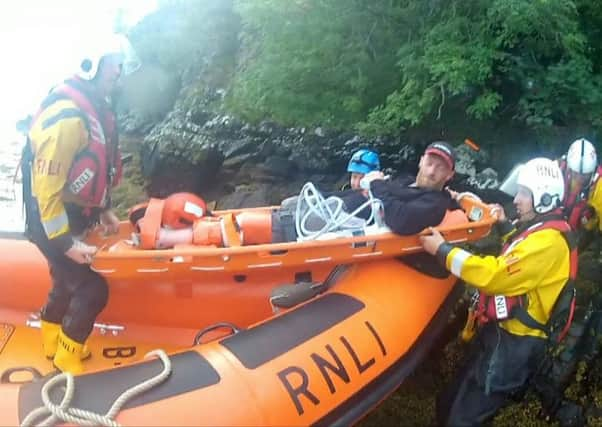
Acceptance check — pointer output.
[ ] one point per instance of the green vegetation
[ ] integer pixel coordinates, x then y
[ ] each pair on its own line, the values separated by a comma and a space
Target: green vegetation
394, 64
317, 62
387, 66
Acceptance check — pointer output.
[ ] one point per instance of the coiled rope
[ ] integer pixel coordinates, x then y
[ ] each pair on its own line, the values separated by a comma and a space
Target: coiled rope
330, 211
62, 411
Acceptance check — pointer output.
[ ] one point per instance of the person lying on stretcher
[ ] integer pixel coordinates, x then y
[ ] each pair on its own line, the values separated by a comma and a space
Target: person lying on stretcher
409, 204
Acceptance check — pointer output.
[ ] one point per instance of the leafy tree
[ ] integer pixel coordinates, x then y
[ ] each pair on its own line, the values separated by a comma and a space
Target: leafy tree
317, 61
389, 65
526, 60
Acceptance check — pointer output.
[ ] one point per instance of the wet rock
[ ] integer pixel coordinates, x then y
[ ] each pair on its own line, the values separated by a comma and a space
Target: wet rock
223, 125
198, 116
486, 178
272, 153
354, 142
269, 128
246, 197
242, 198
239, 147
236, 162
465, 160
280, 166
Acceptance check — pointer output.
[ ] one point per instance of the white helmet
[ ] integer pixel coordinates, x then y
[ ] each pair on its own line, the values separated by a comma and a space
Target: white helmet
544, 178
111, 44
582, 157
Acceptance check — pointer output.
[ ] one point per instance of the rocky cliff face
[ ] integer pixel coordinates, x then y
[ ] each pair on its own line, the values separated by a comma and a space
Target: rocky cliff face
251, 165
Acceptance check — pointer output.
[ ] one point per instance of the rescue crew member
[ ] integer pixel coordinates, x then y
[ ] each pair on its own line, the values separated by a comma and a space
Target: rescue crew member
536, 263
362, 162
582, 207
71, 161
583, 190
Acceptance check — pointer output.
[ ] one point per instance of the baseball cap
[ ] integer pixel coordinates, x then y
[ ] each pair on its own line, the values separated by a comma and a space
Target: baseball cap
444, 150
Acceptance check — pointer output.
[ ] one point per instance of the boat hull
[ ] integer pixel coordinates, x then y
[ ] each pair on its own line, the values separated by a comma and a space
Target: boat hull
326, 361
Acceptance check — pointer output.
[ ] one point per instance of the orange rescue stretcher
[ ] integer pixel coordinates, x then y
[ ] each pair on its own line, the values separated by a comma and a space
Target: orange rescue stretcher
121, 259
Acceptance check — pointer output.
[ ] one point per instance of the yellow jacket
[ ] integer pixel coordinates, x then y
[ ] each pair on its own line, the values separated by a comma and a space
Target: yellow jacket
595, 201
537, 266
57, 135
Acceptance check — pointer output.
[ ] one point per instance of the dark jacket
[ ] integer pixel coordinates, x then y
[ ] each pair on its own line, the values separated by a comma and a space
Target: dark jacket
353, 199
409, 210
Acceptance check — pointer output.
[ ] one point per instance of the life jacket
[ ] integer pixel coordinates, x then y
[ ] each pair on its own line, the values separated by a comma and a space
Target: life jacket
182, 209
499, 307
577, 210
98, 167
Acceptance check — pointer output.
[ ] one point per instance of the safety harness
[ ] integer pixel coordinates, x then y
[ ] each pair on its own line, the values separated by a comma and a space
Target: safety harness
486, 308
97, 167
576, 206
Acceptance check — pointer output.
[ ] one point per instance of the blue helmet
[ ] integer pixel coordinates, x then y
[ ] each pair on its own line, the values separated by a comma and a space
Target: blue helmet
363, 161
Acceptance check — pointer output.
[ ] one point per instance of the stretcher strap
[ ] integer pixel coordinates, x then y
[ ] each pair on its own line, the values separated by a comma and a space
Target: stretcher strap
230, 232
151, 224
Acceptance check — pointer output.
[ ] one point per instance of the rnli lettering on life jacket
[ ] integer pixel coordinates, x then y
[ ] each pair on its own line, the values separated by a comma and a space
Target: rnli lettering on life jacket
340, 362
501, 307
81, 181
98, 167
47, 167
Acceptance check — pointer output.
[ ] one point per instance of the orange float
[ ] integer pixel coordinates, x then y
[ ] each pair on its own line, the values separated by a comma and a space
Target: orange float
279, 334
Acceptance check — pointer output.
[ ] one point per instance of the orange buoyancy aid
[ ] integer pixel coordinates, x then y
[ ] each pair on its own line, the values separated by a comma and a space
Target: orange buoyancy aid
499, 307
98, 167
576, 205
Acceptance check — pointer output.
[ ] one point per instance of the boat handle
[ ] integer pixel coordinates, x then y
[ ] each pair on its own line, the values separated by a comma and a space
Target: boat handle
199, 335
5, 378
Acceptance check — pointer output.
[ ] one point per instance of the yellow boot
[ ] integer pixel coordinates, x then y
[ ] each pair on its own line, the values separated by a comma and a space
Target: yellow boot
68, 357
50, 338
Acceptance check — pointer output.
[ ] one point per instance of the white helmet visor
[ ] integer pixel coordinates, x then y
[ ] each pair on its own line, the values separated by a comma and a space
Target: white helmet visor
509, 184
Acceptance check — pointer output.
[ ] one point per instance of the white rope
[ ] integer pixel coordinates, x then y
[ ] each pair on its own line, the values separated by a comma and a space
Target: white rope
331, 211
62, 411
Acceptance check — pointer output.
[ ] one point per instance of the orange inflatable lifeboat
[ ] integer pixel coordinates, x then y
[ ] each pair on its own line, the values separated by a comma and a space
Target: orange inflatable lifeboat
297, 333
325, 355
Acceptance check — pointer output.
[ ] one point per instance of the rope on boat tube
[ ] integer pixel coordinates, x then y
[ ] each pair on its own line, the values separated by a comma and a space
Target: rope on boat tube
62, 411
